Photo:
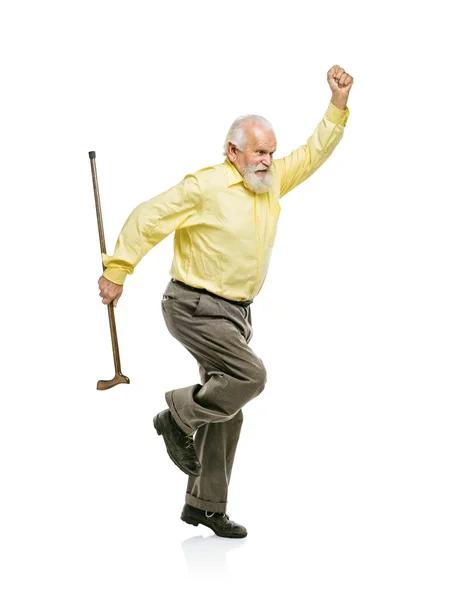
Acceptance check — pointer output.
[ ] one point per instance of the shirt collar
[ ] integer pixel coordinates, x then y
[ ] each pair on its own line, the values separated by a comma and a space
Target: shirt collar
232, 174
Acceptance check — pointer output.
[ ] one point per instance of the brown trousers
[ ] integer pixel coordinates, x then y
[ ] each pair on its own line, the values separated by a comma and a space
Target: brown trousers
216, 332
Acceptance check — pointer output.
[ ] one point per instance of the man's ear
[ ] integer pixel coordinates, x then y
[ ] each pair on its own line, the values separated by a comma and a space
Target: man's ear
231, 152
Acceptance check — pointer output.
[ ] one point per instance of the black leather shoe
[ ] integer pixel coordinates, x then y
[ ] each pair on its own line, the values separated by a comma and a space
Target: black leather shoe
218, 522
179, 445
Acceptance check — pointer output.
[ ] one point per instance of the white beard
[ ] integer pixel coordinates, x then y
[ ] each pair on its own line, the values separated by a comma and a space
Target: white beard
254, 183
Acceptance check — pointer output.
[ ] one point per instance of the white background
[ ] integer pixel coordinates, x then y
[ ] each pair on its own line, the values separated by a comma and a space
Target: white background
346, 474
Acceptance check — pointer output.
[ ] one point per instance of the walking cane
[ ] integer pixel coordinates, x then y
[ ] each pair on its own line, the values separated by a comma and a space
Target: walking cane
104, 384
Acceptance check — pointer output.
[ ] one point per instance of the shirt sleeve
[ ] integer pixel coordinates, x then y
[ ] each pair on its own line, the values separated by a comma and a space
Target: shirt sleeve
303, 162
148, 224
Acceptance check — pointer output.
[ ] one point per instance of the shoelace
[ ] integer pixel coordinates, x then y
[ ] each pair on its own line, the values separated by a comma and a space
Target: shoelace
189, 442
212, 514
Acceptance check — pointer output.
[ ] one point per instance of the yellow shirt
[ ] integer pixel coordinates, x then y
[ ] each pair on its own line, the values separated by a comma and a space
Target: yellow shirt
224, 233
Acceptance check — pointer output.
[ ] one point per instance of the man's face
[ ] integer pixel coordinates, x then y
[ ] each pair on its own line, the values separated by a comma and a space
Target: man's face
255, 159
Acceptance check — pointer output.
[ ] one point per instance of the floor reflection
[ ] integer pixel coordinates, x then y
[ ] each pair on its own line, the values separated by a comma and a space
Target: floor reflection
207, 555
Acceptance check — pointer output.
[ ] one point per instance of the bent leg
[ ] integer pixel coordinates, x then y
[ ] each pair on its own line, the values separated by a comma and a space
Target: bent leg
215, 332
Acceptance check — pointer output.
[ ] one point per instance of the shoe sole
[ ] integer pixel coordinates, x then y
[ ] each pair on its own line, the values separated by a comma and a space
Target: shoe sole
196, 522
177, 464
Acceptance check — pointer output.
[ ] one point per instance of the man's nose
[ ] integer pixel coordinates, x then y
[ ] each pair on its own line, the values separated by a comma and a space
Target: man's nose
267, 160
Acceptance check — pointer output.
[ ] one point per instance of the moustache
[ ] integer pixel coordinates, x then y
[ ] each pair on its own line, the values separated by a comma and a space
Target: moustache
255, 168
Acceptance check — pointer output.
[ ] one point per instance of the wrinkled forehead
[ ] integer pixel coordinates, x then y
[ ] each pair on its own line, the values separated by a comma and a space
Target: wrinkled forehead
257, 136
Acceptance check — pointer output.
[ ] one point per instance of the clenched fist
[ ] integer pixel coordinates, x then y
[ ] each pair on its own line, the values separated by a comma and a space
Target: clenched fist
109, 291
340, 84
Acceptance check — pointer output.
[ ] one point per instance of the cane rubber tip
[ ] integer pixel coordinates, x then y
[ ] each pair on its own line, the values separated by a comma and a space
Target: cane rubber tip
92, 154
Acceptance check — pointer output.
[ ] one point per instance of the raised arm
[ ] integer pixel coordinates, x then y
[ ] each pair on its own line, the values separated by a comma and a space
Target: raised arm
305, 160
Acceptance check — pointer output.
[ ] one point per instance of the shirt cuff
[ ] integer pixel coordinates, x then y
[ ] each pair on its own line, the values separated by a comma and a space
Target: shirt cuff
336, 115
115, 275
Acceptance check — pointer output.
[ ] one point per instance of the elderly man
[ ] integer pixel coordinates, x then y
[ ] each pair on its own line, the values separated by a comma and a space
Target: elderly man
225, 219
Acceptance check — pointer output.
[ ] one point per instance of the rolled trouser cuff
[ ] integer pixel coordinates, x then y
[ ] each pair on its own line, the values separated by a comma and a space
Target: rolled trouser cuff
177, 401
218, 507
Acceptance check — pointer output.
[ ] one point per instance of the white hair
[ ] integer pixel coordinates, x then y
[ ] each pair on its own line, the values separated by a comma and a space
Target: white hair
236, 133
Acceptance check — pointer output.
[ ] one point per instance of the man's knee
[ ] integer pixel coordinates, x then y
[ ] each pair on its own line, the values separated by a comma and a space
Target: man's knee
250, 383
258, 377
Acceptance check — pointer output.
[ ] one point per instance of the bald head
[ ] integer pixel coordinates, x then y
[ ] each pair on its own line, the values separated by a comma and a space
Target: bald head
237, 132
250, 145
